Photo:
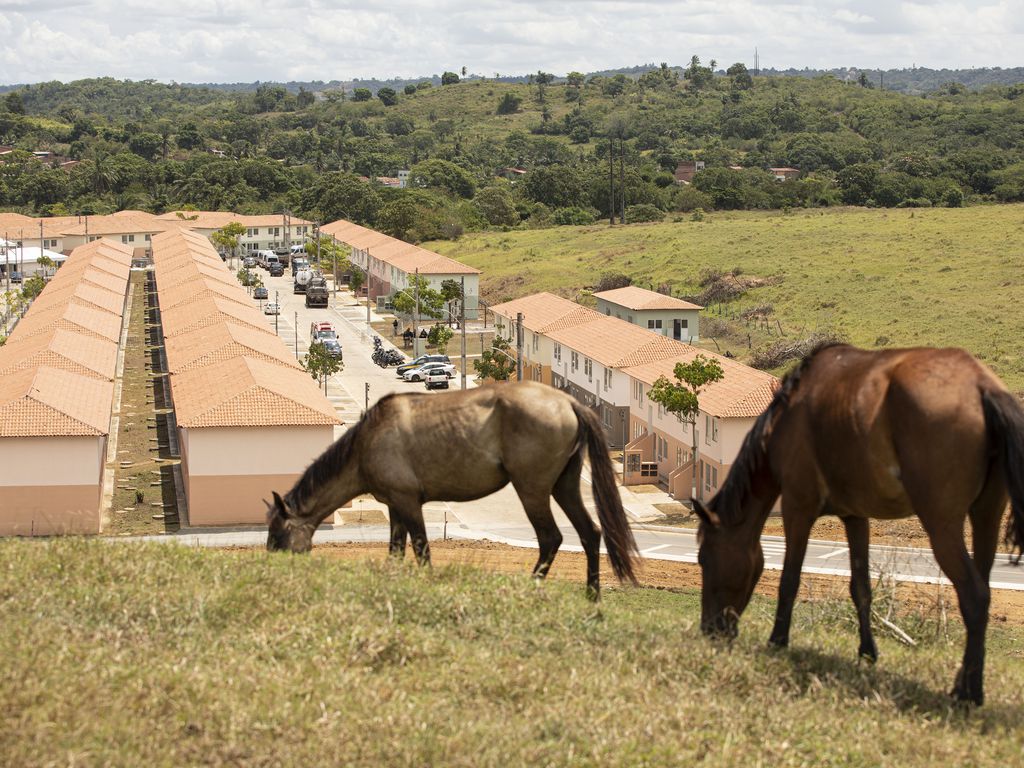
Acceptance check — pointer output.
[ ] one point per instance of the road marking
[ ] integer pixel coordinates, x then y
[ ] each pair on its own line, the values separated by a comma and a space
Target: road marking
658, 548
834, 553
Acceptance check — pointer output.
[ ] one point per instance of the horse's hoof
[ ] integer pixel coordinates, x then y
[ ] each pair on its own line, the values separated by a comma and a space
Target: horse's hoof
963, 694
593, 594
869, 655
778, 643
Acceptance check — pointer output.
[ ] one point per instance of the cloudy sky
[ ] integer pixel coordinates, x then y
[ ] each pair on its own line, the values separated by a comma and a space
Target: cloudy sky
247, 40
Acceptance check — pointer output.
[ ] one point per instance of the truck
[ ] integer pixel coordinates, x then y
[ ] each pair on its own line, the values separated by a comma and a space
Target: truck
299, 263
316, 292
302, 278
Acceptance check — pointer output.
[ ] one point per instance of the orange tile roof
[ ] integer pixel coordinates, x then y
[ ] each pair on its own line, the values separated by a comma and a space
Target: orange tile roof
406, 257
634, 297
614, 343
247, 392
208, 311
80, 318
128, 223
81, 293
60, 348
190, 272
46, 402
186, 293
743, 392
92, 276
543, 311
216, 343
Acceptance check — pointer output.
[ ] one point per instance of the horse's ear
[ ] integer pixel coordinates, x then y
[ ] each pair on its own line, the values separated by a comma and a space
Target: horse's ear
279, 505
705, 514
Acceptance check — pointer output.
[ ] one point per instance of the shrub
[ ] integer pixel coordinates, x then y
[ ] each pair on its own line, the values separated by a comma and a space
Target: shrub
644, 212
509, 104
574, 215
610, 281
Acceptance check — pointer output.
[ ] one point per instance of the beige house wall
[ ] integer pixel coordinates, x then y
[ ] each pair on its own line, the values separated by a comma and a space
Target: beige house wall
50, 485
229, 471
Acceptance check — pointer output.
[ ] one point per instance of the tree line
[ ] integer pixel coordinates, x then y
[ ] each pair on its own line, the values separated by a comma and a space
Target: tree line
563, 150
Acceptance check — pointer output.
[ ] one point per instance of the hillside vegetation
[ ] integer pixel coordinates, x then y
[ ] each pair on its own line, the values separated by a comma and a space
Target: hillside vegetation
880, 278
164, 656
148, 145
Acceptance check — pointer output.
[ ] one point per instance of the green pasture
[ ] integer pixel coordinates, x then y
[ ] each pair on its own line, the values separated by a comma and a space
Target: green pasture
883, 277
127, 655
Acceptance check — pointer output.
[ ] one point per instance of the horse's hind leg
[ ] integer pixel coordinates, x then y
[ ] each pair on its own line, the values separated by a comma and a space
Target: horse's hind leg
537, 504
408, 517
858, 535
396, 545
567, 494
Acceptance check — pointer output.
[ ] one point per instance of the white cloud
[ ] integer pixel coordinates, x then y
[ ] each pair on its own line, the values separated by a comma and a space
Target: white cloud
246, 40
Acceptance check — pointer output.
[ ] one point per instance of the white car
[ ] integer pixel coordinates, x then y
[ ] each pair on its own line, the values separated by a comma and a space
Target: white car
418, 374
271, 308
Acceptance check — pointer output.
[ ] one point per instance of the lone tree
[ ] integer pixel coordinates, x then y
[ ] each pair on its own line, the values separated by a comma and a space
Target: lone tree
321, 364
431, 302
496, 363
439, 336
680, 397
46, 263
451, 292
227, 237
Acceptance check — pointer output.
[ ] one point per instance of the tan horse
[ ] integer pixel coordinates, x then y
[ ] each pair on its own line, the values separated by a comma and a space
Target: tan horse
862, 435
462, 445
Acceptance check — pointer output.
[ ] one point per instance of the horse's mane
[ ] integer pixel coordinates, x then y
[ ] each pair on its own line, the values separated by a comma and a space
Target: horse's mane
329, 463
753, 453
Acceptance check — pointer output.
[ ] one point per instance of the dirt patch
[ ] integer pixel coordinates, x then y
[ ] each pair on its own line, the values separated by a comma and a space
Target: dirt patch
1007, 605
645, 489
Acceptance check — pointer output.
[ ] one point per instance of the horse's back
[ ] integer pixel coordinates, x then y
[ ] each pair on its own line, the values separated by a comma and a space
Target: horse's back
888, 425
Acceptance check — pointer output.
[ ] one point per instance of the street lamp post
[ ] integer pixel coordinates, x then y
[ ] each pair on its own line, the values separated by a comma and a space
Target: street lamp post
277, 310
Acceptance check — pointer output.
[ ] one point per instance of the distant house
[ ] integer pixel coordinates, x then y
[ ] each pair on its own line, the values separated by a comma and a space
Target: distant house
656, 312
685, 171
784, 174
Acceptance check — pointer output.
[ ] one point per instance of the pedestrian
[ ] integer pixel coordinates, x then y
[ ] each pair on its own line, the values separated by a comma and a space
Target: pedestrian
394, 326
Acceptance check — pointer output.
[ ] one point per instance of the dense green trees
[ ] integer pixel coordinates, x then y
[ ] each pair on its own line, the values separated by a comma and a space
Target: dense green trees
585, 144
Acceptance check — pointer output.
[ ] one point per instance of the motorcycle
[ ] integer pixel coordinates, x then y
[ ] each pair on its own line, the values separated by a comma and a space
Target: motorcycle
385, 357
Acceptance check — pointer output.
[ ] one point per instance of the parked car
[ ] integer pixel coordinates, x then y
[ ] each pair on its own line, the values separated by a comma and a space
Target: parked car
436, 378
318, 331
248, 262
271, 308
419, 374
260, 293
276, 269
15, 277
333, 347
403, 369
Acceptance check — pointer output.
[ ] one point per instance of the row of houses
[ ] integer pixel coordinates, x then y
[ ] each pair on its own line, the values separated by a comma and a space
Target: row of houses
686, 170
610, 364
57, 383
391, 264
249, 418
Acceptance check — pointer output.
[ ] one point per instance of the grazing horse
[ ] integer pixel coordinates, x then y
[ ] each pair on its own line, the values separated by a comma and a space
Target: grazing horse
862, 435
459, 446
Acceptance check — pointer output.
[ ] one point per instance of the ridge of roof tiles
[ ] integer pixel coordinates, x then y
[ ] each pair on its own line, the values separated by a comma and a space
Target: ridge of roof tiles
222, 341
407, 257
244, 391
64, 349
48, 402
208, 311
82, 293
80, 318
637, 298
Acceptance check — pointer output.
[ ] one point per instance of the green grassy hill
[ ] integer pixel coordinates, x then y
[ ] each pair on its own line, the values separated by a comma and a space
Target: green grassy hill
882, 277
158, 655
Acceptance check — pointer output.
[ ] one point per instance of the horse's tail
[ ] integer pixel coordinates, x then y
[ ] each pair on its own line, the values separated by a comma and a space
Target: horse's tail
618, 537
1004, 420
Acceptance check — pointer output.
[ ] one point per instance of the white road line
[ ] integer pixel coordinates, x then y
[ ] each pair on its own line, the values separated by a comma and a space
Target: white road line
834, 553
658, 548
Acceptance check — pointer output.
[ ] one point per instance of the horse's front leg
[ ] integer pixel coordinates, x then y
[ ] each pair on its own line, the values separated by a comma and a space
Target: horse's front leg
858, 536
409, 514
797, 524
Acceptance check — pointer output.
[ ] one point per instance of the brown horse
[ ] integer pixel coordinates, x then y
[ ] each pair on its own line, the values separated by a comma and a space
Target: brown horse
861, 435
459, 446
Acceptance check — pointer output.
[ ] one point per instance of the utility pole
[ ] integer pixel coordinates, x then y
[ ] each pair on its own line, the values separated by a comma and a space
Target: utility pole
462, 325
366, 398
286, 219
367, 252
277, 314
622, 179
296, 335
415, 311
519, 346
611, 180
41, 245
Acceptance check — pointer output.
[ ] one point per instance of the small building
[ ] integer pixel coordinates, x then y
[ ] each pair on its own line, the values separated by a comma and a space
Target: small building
686, 170
784, 174
656, 312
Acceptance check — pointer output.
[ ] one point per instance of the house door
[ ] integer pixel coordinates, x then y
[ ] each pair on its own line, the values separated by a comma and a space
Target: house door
677, 330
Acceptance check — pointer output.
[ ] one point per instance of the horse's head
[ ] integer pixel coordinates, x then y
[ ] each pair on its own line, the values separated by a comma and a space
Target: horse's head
286, 530
731, 562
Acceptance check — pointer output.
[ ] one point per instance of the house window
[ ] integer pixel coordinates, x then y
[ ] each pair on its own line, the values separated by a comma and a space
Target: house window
714, 429
638, 391
607, 378
707, 429
148, 238
536, 342
277, 232
679, 457
574, 361
558, 352
654, 324
629, 318
127, 238
684, 323
607, 413
588, 368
